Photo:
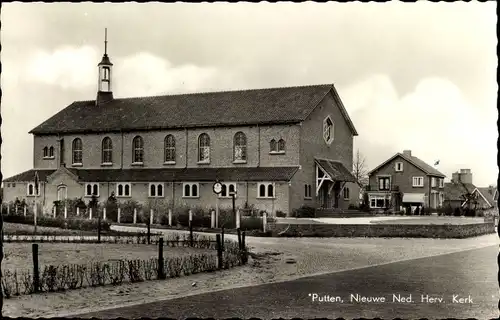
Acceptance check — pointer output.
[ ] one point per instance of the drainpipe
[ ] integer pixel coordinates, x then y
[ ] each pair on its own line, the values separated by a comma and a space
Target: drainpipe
173, 195
258, 149
186, 157
246, 200
121, 162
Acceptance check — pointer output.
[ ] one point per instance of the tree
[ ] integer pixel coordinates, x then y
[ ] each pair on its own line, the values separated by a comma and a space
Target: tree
360, 171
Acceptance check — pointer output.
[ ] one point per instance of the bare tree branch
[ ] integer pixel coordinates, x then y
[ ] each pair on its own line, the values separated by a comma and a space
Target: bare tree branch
360, 171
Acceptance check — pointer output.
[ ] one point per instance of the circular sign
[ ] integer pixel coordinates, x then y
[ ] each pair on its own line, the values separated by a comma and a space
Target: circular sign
217, 187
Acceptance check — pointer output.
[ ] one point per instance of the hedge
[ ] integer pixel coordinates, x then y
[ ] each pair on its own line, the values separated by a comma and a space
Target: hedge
70, 223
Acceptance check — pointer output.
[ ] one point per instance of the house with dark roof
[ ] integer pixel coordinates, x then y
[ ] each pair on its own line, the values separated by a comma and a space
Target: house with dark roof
276, 148
486, 197
405, 181
462, 193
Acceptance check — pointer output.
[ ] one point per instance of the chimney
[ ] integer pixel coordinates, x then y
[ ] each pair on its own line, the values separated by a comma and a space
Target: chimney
463, 176
407, 153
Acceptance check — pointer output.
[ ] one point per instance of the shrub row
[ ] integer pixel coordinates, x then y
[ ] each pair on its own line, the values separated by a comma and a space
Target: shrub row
381, 230
75, 276
226, 220
68, 277
171, 240
70, 223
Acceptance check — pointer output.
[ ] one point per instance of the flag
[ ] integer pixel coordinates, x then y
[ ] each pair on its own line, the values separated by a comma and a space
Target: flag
436, 163
37, 181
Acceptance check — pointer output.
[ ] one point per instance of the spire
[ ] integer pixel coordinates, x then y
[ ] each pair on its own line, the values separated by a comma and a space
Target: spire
105, 59
105, 41
104, 92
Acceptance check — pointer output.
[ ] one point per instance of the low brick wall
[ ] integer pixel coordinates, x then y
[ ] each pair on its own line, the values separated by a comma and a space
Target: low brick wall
382, 230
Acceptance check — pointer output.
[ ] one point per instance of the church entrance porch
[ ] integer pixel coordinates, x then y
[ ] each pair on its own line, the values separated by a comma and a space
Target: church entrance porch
331, 178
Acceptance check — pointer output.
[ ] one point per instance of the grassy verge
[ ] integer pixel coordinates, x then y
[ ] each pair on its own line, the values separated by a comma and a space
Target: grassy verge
252, 233
25, 229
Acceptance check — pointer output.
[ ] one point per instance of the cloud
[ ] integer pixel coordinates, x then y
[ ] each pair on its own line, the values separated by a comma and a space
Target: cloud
140, 74
434, 121
145, 74
66, 67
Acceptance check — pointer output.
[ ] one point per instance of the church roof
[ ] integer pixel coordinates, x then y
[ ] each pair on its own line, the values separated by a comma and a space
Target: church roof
210, 109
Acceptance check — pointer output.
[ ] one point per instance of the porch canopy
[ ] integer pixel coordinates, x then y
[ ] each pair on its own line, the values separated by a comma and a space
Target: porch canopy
414, 198
331, 170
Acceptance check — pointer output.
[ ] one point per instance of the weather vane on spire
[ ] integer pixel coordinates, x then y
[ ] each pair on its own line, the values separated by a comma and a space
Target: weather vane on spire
105, 41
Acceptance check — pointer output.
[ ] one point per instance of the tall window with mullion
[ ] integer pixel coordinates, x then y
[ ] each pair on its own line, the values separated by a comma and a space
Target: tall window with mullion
138, 156
203, 148
169, 148
240, 147
77, 151
384, 183
107, 150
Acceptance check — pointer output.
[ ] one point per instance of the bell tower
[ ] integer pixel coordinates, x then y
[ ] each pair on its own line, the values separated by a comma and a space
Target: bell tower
104, 92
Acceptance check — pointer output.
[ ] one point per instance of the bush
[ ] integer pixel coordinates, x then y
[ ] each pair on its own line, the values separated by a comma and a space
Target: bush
304, 212
280, 214
251, 223
127, 211
469, 212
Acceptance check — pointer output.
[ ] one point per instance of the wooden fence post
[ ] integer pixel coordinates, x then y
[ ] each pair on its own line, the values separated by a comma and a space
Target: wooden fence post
190, 235
264, 221
238, 219
149, 231
119, 214
212, 220
161, 261
135, 215
36, 270
169, 217
244, 248
219, 251
239, 238
222, 238
65, 212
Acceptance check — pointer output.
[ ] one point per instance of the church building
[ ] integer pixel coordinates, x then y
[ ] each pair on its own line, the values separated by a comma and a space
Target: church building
277, 148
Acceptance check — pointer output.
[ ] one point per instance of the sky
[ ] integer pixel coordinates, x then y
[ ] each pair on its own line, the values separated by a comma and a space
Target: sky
417, 76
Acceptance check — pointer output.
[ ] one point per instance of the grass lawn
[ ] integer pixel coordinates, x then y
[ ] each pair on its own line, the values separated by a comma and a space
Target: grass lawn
18, 256
433, 220
26, 229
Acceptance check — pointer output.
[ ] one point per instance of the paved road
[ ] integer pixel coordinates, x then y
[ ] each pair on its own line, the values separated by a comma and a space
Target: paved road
468, 273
